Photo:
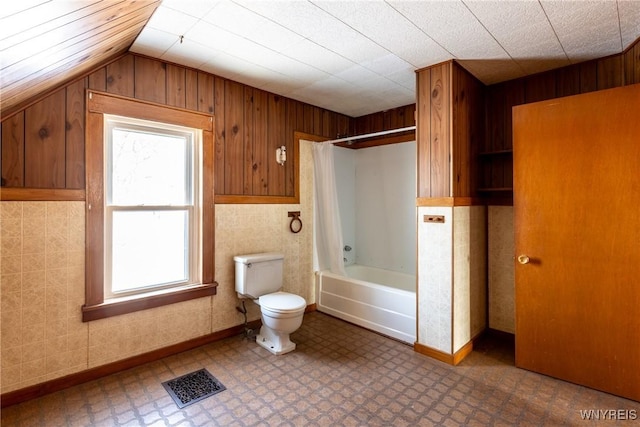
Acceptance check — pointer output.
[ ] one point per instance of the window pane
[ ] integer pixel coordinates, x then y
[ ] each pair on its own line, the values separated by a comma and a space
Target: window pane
149, 169
149, 248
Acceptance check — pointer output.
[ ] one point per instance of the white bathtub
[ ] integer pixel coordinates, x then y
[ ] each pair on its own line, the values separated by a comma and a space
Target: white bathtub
381, 300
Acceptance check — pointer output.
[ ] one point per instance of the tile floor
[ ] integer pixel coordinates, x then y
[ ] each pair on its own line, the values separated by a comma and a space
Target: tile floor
340, 375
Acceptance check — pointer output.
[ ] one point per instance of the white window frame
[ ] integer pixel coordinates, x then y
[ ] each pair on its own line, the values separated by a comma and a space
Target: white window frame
193, 209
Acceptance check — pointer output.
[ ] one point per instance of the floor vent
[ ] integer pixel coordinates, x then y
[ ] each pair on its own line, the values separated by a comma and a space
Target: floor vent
193, 387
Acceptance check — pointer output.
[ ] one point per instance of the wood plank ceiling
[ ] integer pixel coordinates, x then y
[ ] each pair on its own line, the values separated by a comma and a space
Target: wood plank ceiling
46, 43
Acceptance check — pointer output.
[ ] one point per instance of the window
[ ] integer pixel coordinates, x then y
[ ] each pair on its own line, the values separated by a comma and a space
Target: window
149, 206
152, 205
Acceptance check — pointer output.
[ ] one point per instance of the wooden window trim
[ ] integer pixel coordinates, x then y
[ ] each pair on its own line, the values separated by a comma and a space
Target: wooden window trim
98, 104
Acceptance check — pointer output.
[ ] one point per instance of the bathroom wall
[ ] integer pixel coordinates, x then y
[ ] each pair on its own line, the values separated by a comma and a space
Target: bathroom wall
451, 276
42, 286
244, 229
376, 193
469, 273
345, 169
501, 269
435, 279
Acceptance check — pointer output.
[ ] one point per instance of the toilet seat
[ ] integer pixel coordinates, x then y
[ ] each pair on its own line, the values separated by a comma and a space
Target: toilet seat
282, 303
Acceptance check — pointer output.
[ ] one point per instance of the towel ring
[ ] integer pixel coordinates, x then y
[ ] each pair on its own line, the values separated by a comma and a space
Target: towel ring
296, 223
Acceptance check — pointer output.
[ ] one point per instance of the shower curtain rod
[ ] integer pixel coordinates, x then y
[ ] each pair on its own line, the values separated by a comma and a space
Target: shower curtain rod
369, 135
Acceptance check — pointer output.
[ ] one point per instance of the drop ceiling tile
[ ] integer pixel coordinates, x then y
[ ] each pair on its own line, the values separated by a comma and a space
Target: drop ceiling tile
395, 96
421, 55
259, 77
522, 29
325, 86
318, 91
209, 34
285, 86
246, 23
152, 42
356, 74
629, 19
388, 64
451, 25
221, 39
383, 24
313, 54
586, 29
228, 66
358, 49
171, 21
301, 17
197, 8
288, 66
378, 85
405, 79
189, 53
311, 22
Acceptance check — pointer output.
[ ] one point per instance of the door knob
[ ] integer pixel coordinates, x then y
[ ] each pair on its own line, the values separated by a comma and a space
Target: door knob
523, 259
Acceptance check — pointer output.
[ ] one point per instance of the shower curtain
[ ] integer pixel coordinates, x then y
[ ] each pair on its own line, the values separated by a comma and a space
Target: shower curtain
328, 237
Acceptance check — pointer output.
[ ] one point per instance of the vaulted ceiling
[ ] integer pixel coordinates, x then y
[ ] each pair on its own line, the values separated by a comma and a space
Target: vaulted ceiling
353, 57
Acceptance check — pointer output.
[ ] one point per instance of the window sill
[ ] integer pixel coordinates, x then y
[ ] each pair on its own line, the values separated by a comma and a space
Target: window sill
131, 304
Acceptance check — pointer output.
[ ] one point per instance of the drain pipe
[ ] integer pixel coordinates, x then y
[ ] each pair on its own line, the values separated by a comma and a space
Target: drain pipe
248, 332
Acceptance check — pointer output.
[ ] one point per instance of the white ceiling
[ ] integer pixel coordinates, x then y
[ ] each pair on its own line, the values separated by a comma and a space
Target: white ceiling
360, 57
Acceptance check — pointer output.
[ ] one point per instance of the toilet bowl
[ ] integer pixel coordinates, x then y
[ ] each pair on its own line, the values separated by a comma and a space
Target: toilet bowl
281, 314
259, 278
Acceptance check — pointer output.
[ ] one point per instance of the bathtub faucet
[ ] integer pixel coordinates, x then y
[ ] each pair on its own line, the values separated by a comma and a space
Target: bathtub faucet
347, 248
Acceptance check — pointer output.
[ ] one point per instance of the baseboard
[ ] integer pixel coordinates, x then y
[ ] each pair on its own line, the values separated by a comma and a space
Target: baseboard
501, 335
451, 359
52, 386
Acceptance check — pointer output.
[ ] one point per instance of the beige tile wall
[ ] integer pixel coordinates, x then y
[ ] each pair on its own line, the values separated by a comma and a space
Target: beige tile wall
451, 277
469, 274
435, 279
42, 286
41, 290
501, 269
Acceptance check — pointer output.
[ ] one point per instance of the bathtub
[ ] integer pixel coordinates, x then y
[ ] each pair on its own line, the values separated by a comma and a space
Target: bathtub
381, 300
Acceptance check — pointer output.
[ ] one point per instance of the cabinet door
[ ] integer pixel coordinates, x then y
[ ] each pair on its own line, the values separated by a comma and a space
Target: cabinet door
577, 219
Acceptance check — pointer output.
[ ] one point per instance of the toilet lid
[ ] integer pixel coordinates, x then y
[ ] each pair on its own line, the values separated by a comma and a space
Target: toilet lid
282, 301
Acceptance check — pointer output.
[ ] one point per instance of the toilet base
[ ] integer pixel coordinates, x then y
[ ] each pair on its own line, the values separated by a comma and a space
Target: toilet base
274, 342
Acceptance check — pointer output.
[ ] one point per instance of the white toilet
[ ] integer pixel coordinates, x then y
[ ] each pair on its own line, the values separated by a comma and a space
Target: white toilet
259, 277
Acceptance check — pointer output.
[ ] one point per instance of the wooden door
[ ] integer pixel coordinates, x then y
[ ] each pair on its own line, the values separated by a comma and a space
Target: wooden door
577, 218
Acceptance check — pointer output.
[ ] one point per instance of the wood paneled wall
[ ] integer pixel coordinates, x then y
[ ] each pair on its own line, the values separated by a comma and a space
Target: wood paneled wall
434, 115
450, 130
393, 118
467, 130
43, 145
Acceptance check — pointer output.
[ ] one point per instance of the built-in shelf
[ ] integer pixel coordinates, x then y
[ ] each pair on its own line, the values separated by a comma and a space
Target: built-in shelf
495, 153
495, 190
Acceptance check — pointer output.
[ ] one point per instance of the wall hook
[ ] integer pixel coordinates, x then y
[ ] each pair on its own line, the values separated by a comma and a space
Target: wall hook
296, 223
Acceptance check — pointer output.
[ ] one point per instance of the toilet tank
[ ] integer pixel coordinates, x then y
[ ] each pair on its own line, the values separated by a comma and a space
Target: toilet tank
258, 274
